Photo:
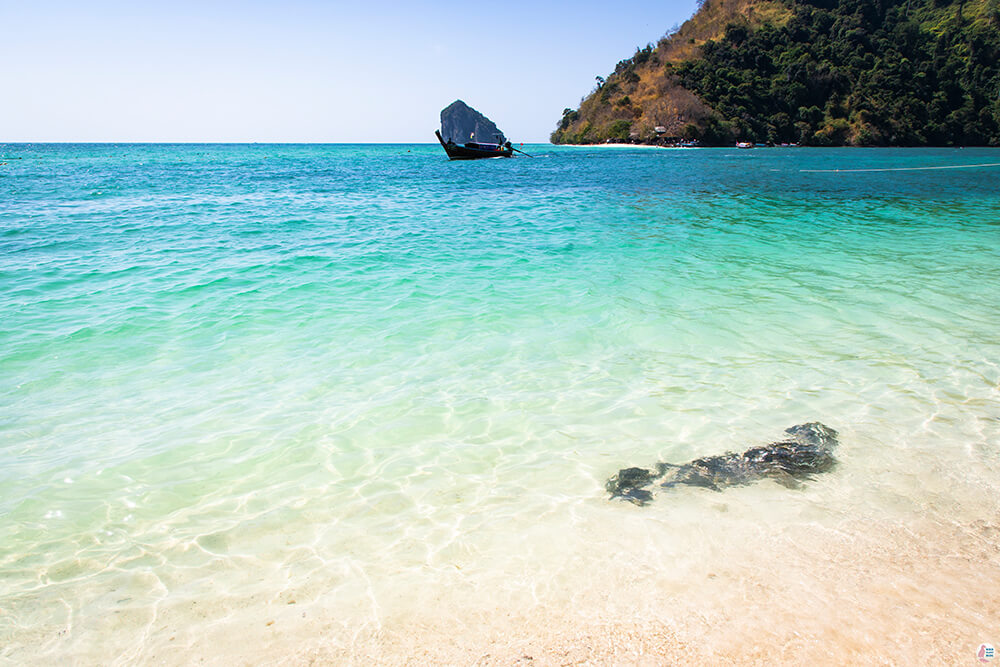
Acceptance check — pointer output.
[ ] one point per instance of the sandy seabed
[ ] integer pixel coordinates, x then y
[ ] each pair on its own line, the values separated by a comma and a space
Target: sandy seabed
895, 561
863, 594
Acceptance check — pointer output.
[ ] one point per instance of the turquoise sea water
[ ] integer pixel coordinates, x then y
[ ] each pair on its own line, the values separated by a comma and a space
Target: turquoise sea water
331, 394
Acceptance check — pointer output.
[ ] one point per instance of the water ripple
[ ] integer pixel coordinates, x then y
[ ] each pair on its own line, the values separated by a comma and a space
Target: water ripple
234, 376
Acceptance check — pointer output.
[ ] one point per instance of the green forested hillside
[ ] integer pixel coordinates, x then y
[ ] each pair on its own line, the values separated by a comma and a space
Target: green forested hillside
822, 72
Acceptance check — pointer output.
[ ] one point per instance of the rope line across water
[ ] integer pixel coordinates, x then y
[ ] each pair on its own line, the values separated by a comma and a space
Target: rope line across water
844, 171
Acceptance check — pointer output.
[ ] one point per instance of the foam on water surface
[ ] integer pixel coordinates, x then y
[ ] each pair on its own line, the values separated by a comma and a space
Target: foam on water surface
349, 403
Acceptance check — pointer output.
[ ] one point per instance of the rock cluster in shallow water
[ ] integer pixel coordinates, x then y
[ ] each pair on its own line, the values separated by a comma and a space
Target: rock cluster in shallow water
809, 450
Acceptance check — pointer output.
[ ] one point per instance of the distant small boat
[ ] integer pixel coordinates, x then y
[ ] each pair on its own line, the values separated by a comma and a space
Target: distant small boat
473, 150
744, 144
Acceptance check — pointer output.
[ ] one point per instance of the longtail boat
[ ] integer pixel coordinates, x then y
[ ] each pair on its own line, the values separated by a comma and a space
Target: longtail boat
473, 150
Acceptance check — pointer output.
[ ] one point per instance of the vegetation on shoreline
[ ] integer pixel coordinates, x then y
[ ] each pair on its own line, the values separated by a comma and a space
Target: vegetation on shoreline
816, 72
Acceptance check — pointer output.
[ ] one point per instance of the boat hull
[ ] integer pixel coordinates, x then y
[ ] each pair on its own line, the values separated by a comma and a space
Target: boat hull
459, 152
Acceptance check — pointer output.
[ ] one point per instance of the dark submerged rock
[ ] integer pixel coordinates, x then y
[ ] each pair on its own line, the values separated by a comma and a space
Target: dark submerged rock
809, 450
461, 123
628, 484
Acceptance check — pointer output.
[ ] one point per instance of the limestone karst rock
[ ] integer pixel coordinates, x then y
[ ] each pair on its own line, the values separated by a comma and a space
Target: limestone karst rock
461, 123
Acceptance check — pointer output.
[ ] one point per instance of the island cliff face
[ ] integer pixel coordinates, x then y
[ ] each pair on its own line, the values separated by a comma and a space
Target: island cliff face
461, 123
815, 72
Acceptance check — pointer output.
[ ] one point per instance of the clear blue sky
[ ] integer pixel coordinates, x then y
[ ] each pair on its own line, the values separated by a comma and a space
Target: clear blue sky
304, 70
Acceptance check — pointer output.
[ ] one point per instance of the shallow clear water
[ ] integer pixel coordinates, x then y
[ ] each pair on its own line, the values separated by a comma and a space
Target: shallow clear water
339, 391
